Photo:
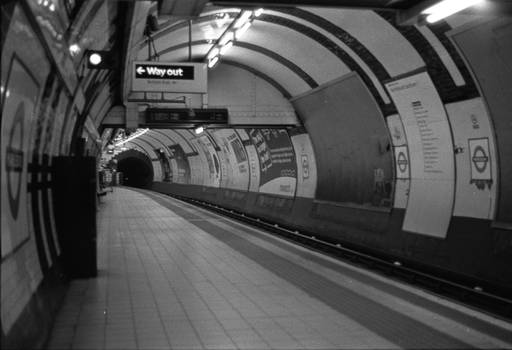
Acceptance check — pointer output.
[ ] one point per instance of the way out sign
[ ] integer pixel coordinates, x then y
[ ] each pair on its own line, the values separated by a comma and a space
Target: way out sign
180, 77
480, 159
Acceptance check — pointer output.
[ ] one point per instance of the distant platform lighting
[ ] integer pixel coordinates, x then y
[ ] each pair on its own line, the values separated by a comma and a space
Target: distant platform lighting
95, 58
199, 130
243, 19
213, 53
447, 8
226, 38
101, 59
242, 30
213, 62
224, 49
258, 12
74, 49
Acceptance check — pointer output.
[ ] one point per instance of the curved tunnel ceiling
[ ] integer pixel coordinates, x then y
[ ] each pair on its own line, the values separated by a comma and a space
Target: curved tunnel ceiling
298, 49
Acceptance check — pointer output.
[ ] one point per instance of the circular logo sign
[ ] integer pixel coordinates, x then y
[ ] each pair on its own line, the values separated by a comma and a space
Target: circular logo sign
480, 159
14, 160
402, 162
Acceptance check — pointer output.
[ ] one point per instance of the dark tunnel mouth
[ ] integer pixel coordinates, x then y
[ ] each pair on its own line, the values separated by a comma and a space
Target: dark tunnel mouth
136, 172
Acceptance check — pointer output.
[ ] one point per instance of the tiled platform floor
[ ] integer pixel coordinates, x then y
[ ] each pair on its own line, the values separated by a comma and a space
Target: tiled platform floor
174, 276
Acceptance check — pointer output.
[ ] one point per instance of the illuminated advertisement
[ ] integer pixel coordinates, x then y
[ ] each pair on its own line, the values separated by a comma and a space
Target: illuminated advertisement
278, 167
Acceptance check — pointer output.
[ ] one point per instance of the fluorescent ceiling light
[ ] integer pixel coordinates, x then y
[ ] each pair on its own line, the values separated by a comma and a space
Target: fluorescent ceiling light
227, 37
243, 19
224, 49
133, 136
213, 62
214, 52
447, 8
199, 130
242, 30
258, 12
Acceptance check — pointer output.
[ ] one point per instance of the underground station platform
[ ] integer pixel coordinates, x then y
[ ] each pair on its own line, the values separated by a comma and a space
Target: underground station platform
175, 276
256, 174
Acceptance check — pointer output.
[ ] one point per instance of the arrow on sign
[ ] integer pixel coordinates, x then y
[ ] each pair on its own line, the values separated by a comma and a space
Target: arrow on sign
140, 70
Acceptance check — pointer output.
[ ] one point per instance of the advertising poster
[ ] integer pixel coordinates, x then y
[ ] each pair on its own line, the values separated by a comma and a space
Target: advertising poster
278, 167
210, 174
213, 179
475, 156
254, 173
307, 175
228, 178
236, 159
21, 93
196, 165
199, 165
183, 167
431, 158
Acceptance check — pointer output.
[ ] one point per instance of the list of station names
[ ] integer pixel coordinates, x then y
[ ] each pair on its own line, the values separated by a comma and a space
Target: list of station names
428, 137
430, 147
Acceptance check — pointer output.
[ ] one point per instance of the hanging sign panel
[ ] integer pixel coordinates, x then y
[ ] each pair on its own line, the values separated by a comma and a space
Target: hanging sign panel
431, 157
180, 77
170, 116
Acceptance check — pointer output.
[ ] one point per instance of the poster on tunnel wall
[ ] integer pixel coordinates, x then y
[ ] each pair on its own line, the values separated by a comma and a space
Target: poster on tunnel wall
476, 187
212, 161
183, 167
236, 159
200, 164
252, 158
21, 94
432, 167
278, 168
306, 165
196, 163
225, 160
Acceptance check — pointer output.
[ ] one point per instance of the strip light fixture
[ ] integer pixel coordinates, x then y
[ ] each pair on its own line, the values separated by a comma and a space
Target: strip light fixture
226, 38
226, 47
447, 8
213, 62
234, 32
131, 137
240, 31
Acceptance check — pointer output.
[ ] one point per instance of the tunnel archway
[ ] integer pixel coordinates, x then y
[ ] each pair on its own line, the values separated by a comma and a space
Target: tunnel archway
136, 168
